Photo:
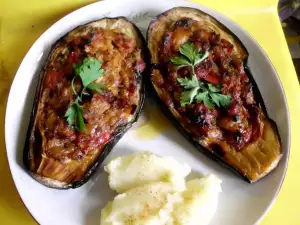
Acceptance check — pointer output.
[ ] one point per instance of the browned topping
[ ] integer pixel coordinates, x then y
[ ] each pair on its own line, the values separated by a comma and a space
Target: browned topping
103, 113
233, 127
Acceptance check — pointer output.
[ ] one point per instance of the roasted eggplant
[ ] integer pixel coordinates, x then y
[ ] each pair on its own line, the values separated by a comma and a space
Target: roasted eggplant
200, 75
90, 92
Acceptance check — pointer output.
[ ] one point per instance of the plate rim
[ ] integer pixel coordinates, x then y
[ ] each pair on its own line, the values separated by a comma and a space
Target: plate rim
77, 11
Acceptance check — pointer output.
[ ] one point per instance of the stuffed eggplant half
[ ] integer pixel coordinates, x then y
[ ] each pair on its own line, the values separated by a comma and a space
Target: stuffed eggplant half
90, 92
200, 76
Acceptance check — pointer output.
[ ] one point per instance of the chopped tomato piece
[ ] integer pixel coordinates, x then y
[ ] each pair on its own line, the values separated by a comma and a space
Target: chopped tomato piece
227, 45
234, 109
244, 77
104, 138
73, 57
53, 78
213, 79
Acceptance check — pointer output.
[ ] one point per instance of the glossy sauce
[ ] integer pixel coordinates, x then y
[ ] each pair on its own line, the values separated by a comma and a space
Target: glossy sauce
152, 123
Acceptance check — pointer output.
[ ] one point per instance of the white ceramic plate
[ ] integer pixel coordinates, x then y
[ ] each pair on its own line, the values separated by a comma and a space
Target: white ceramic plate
240, 202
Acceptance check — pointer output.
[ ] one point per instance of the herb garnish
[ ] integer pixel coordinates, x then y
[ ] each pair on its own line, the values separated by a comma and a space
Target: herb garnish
195, 90
75, 117
190, 56
88, 71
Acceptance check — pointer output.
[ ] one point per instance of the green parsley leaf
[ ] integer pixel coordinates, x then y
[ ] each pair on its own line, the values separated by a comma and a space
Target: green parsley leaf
208, 103
180, 61
71, 115
189, 51
220, 100
196, 90
200, 92
89, 70
188, 83
80, 121
210, 99
200, 97
199, 58
204, 97
187, 97
96, 87
214, 88
74, 116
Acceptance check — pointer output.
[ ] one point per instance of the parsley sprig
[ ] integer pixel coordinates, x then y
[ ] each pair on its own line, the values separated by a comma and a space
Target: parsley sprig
195, 90
88, 71
190, 56
201, 92
74, 116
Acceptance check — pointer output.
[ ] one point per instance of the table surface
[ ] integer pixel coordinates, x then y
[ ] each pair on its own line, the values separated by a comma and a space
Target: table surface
22, 22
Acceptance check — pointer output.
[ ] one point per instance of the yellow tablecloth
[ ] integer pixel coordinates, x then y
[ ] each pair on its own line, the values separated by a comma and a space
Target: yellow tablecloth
22, 22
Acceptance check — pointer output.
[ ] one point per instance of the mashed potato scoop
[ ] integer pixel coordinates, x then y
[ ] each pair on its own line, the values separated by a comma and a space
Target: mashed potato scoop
126, 172
158, 203
152, 191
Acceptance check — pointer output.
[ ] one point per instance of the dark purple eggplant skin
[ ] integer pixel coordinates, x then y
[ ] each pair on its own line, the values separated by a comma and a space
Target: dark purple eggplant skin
210, 154
140, 78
